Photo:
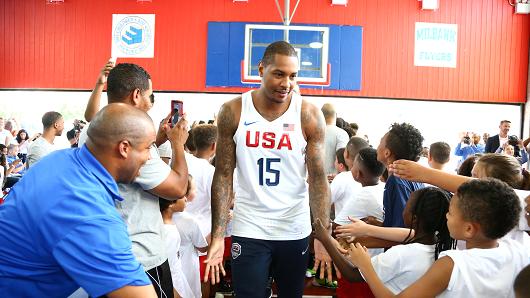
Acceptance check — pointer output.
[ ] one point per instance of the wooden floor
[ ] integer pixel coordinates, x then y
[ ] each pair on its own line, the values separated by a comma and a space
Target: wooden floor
313, 291
309, 291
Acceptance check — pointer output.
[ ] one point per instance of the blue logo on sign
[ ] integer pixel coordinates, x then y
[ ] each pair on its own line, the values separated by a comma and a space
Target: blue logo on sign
132, 35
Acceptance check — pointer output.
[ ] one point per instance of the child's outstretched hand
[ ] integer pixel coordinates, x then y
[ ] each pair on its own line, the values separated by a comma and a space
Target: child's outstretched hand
359, 255
409, 170
357, 228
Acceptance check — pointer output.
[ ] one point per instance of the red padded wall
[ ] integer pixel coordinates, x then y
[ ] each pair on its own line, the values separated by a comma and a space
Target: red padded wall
64, 46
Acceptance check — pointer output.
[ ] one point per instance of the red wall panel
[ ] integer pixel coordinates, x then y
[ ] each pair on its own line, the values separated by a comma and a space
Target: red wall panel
65, 45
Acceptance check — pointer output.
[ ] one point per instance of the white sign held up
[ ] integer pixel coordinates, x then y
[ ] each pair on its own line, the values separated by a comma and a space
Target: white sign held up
133, 35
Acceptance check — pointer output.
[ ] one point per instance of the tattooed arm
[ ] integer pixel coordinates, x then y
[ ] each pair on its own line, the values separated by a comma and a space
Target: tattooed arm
314, 128
222, 188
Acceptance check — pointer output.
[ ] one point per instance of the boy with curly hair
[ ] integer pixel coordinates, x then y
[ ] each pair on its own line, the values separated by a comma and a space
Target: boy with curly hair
402, 141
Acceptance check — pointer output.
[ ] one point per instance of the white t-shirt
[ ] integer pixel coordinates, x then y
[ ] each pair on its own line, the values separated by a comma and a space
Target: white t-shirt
202, 172
172, 240
5, 137
336, 138
165, 150
37, 150
343, 189
2, 170
23, 148
368, 201
502, 141
190, 238
485, 272
401, 265
519, 232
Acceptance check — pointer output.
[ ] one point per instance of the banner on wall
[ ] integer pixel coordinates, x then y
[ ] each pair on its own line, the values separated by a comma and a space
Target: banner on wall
435, 45
133, 35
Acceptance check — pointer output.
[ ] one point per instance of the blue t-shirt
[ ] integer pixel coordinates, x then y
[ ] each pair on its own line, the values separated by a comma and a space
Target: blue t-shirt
395, 197
11, 159
60, 231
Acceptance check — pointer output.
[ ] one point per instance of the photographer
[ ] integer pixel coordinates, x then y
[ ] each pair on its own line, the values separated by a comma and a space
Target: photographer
73, 134
466, 147
514, 147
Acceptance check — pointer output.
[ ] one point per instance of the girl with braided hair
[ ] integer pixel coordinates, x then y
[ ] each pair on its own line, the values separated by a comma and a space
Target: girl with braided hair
402, 265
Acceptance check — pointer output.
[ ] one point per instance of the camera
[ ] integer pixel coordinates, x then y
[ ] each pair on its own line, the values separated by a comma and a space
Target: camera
78, 125
466, 140
513, 140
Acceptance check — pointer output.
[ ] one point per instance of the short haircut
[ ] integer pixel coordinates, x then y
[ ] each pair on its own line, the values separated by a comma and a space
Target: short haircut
8, 125
340, 157
164, 204
49, 119
491, 203
354, 145
521, 285
328, 110
341, 123
11, 147
404, 141
466, 167
190, 144
278, 47
123, 79
440, 152
505, 121
204, 136
70, 134
368, 159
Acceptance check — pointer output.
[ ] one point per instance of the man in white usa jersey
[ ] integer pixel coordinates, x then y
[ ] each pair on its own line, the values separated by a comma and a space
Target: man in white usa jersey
272, 137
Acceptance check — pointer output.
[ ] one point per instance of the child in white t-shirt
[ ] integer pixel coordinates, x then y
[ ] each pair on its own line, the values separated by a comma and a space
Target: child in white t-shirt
344, 187
481, 212
172, 241
192, 242
402, 265
368, 201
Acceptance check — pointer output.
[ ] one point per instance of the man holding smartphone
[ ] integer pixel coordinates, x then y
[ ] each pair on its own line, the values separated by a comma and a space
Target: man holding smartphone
131, 84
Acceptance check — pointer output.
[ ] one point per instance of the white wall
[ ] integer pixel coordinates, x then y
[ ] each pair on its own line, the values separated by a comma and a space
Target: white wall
438, 121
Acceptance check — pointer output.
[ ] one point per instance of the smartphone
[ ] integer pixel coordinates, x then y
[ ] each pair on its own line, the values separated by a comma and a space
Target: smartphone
177, 107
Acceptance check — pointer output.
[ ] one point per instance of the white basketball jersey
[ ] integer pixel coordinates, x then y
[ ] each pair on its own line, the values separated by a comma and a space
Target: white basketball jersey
271, 197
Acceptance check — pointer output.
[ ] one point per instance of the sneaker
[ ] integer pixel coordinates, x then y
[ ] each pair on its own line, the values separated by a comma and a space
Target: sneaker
225, 287
330, 284
310, 272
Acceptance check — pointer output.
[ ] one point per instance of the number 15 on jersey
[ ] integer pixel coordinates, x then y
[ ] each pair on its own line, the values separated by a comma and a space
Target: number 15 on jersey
267, 166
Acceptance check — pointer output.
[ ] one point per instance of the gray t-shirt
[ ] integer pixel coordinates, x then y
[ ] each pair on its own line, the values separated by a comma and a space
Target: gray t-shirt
336, 138
37, 150
141, 212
